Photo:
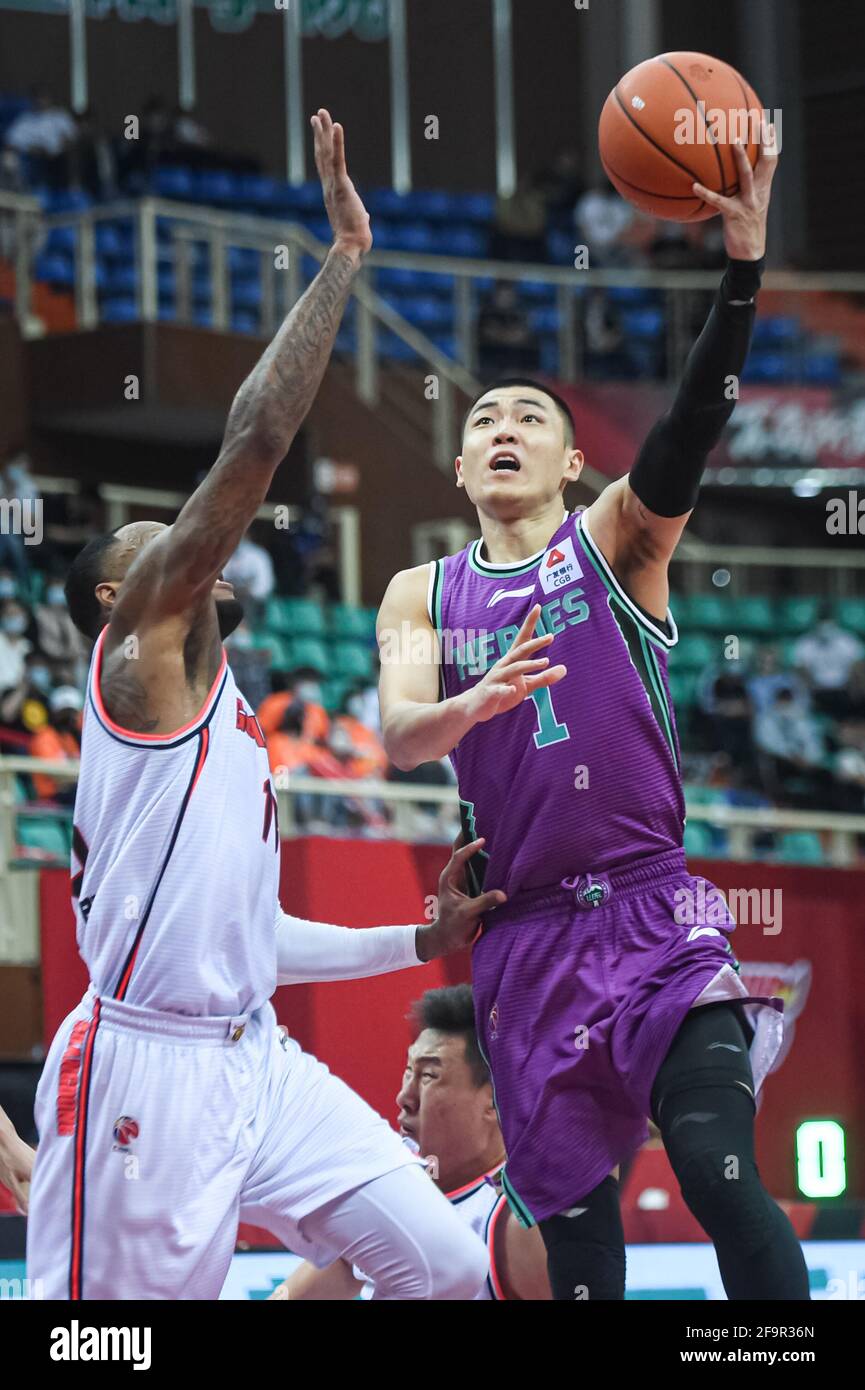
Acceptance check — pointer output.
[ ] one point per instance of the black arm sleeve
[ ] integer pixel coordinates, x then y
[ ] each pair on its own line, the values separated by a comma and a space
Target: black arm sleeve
666, 475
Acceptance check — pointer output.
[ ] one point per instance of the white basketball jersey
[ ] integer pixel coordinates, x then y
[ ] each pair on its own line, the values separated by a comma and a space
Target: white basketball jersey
175, 857
480, 1205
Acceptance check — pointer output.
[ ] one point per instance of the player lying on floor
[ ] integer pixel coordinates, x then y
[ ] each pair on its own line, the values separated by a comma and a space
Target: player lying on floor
446, 1111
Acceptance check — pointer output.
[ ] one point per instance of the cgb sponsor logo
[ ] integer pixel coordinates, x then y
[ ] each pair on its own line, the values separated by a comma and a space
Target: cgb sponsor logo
559, 566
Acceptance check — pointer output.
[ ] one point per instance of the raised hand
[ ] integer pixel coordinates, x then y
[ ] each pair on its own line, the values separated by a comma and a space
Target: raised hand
348, 217
515, 675
744, 216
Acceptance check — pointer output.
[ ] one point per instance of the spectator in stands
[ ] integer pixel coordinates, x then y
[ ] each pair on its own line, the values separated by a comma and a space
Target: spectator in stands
93, 166
791, 742
606, 346
58, 636
768, 679
848, 766
602, 221
250, 570
365, 751
561, 186
301, 687
24, 706
506, 342
16, 627
827, 656
44, 137
728, 716
136, 159
18, 484
519, 224
59, 740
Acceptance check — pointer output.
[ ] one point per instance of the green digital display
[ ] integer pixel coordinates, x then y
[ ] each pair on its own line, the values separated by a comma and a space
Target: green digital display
821, 1165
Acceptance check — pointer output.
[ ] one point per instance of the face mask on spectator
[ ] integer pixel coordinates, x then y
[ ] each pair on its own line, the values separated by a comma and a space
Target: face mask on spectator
40, 676
7, 588
15, 624
241, 638
54, 595
310, 691
354, 706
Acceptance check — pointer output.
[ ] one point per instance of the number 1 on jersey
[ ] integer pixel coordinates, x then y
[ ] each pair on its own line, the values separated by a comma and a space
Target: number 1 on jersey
549, 729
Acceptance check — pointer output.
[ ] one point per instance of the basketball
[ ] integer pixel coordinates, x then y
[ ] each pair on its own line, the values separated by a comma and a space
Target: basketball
671, 122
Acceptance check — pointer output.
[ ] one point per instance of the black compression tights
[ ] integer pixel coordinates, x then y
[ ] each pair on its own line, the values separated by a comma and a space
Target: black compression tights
703, 1106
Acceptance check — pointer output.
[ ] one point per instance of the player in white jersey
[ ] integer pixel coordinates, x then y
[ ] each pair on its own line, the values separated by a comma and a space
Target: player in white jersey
170, 1105
446, 1112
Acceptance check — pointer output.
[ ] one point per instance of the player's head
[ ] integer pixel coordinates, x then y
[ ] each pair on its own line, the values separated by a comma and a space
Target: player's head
97, 573
518, 450
445, 1100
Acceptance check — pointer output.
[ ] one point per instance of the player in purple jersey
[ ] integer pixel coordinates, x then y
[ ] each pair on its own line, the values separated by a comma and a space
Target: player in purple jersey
599, 999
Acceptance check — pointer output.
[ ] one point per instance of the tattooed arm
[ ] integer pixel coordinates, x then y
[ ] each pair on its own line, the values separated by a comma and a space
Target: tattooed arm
178, 567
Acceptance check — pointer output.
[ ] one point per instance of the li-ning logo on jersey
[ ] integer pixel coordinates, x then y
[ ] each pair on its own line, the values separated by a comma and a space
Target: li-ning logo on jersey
125, 1130
250, 725
510, 593
494, 1022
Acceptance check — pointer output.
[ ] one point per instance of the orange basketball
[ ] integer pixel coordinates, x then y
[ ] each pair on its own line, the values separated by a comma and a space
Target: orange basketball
671, 122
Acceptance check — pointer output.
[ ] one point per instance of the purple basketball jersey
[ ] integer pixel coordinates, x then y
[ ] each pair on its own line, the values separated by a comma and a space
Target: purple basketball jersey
584, 776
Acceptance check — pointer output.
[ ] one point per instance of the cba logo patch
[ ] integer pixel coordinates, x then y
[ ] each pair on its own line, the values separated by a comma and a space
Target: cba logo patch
594, 894
125, 1130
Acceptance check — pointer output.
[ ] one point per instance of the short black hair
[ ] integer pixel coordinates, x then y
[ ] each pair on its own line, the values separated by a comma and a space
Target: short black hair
451, 1010
561, 405
85, 572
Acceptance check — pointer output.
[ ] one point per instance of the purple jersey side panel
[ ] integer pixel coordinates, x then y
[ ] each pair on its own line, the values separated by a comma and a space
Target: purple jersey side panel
582, 777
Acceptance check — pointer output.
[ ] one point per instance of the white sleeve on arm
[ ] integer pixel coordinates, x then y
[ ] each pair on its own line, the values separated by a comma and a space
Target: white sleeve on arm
309, 952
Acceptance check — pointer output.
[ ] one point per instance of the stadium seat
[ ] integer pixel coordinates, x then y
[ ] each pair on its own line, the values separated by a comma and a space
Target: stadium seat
312, 653
708, 611
216, 186
754, 613
698, 839
45, 833
119, 309
349, 623
822, 369
775, 331
244, 322
352, 662
55, 269
851, 614
462, 241
173, 181
796, 613
693, 651
769, 367
296, 617
683, 688
643, 323
801, 847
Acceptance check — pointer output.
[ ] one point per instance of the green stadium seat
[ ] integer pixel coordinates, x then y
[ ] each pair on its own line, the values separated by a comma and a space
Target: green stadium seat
307, 652
46, 833
754, 613
352, 662
270, 642
683, 687
698, 795
698, 839
694, 651
333, 692
710, 611
347, 622
801, 847
851, 614
295, 617
797, 613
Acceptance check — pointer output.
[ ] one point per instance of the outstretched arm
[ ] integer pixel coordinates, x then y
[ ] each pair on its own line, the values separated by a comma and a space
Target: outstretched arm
180, 566
317, 951
16, 1162
637, 521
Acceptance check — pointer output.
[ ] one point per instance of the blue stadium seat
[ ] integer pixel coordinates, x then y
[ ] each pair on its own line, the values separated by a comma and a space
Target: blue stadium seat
424, 311
215, 186
122, 279
243, 261
560, 247
109, 241
68, 200
119, 309
472, 207
415, 236
55, 269
260, 190
463, 241
643, 323
822, 369
537, 291
545, 320
61, 241
173, 181
777, 331
301, 196
244, 322
637, 296
768, 367
246, 294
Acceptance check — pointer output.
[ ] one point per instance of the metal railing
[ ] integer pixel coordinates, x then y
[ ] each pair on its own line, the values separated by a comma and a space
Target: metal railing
742, 823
